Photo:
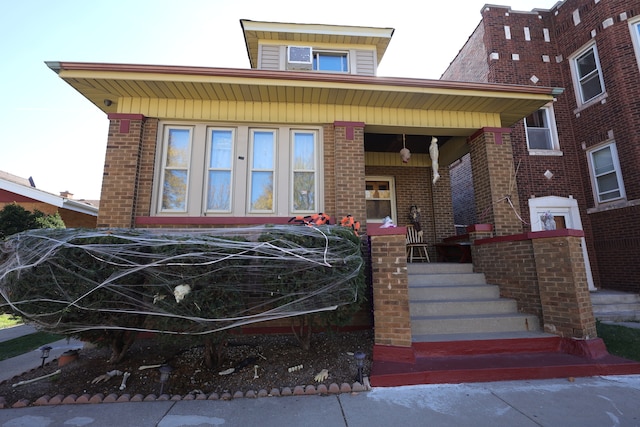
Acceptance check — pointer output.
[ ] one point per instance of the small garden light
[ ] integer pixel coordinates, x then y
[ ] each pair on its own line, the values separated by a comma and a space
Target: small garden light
45, 353
359, 356
165, 372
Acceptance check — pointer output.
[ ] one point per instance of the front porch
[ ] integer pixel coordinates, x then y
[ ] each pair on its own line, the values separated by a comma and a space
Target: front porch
550, 333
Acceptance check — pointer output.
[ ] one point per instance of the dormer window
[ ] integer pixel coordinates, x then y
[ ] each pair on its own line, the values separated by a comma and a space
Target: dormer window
330, 61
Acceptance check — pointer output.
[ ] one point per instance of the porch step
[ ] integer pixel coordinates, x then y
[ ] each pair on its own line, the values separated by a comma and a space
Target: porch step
477, 324
615, 306
449, 301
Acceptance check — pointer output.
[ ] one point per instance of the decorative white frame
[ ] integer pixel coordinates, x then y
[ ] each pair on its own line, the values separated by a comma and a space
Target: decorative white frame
576, 78
553, 130
616, 166
392, 191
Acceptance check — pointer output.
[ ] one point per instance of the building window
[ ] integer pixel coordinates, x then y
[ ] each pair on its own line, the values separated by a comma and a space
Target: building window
605, 173
380, 199
175, 171
634, 28
541, 130
238, 171
330, 61
587, 74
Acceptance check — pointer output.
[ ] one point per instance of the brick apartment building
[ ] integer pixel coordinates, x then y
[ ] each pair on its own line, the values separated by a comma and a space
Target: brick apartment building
580, 152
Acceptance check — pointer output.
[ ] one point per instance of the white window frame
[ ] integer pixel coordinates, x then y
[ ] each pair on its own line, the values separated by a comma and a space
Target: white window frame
293, 170
392, 190
165, 150
577, 80
208, 168
196, 204
634, 29
272, 170
553, 133
597, 194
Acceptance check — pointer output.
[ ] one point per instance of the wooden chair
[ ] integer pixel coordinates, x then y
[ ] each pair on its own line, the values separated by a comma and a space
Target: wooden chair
416, 247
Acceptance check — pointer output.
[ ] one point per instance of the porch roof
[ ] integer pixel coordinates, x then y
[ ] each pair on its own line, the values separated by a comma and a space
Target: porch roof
130, 88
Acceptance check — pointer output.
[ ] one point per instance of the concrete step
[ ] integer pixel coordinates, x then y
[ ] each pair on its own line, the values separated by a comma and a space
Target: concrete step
477, 324
603, 297
615, 306
453, 292
486, 336
447, 279
462, 307
618, 316
605, 308
439, 267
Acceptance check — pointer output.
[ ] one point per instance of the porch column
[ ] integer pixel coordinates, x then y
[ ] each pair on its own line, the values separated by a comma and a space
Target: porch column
349, 171
494, 182
392, 320
121, 168
562, 280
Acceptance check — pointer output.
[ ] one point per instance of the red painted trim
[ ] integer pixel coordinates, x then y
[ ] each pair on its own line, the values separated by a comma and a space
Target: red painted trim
125, 116
497, 131
479, 227
392, 353
591, 349
210, 220
374, 230
531, 236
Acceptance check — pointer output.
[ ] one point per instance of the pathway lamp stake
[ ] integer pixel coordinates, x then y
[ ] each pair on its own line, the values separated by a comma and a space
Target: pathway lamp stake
45, 353
165, 372
359, 356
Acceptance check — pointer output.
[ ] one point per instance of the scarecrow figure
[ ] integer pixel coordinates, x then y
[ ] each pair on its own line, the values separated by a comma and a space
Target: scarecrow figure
414, 217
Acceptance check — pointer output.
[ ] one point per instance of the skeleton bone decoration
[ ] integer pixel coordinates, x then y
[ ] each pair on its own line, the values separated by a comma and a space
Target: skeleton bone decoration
434, 153
123, 384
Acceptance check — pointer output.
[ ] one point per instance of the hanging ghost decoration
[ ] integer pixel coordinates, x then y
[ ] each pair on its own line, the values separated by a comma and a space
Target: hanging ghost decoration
434, 153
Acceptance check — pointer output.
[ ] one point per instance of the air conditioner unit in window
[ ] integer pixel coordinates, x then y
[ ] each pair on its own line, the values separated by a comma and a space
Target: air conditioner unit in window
299, 57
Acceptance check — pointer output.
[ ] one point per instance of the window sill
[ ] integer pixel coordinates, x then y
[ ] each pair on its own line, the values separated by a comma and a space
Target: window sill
209, 220
546, 153
597, 100
618, 204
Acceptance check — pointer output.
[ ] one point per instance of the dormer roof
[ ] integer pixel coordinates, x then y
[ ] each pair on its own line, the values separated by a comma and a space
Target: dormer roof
312, 34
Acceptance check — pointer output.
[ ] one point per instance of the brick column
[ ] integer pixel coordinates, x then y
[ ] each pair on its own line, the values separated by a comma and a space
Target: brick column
564, 292
121, 169
443, 207
494, 183
390, 287
349, 171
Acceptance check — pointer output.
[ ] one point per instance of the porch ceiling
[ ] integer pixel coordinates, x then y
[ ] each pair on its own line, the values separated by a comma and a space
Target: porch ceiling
100, 82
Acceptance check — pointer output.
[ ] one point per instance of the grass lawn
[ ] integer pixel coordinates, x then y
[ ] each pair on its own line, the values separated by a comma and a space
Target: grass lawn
620, 341
25, 344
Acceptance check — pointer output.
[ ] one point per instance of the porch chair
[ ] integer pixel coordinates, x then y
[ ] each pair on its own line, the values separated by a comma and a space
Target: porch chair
416, 247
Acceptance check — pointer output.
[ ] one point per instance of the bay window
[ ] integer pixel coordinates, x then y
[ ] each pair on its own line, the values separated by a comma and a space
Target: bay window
237, 171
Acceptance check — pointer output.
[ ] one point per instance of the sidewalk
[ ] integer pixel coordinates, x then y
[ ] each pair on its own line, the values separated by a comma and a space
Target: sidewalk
595, 401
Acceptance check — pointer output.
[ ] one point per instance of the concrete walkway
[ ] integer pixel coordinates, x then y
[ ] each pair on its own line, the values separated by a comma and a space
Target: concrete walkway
566, 402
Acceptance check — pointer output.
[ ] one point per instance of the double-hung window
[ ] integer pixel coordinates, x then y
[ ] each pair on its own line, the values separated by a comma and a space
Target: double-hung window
175, 171
331, 61
238, 171
587, 75
541, 130
606, 173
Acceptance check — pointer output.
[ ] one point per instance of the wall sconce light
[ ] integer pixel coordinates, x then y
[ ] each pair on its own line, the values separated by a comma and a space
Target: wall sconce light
108, 102
165, 372
45, 353
359, 356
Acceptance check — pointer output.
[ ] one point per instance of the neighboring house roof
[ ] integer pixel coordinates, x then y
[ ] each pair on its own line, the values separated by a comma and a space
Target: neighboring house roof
26, 189
254, 31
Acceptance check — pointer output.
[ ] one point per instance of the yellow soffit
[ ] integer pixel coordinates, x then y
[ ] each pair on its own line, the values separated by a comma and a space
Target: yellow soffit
105, 84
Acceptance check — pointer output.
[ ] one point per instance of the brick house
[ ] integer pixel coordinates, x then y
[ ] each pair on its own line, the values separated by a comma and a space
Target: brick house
578, 156
22, 191
310, 128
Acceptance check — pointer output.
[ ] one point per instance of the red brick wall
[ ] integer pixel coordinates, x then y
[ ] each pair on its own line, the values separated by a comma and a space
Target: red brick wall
462, 194
544, 272
349, 171
470, 65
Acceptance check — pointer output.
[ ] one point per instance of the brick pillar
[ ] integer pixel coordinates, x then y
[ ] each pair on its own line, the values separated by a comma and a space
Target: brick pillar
564, 292
390, 287
494, 183
443, 207
121, 169
349, 171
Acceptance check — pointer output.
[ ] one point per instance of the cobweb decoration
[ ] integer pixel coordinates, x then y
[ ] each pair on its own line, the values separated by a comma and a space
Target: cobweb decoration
180, 282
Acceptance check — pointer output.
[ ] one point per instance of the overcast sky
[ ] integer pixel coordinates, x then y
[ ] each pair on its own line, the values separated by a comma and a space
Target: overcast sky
53, 134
